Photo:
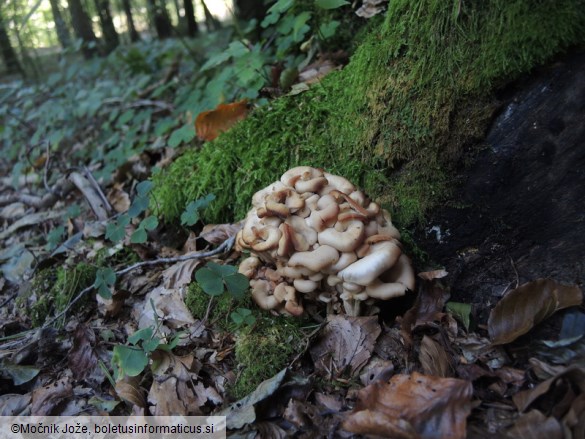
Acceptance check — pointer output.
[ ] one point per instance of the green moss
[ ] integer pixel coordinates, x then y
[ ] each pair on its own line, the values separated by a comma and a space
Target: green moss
52, 290
418, 90
197, 302
263, 349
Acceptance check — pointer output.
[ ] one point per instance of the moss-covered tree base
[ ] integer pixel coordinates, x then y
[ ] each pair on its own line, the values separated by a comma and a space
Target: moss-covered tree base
417, 91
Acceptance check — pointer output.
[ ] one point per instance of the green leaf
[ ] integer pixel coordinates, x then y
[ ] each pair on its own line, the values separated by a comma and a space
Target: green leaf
54, 237
139, 236
128, 360
125, 117
237, 318
182, 135
191, 214
461, 311
115, 232
141, 335
144, 187
327, 30
103, 405
149, 223
299, 28
151, 345
330, 4
237, 284
273, 14
105, 278
139, 205
222, 270
20, 374
210, 282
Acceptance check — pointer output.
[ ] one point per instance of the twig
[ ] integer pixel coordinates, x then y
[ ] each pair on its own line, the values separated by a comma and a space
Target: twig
8, 299
515, 271
225, 246
46, 168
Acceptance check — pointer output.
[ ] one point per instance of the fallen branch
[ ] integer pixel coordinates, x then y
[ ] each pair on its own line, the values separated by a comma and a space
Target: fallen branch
225, 246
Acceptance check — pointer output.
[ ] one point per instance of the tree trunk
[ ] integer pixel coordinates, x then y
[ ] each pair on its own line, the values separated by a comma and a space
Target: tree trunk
109, 31
60, 25
9, 57
192, 28
249, 9
210, 21
130, 20
160, 19
82, 28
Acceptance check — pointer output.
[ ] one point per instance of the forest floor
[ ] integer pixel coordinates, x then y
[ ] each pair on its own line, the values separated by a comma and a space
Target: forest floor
102, 310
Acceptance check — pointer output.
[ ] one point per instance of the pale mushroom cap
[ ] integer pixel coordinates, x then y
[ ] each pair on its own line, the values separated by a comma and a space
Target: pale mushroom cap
290, 177
315, 260
339, 183
384, 291
249, 266
261, 294
327, 240
345, 241
364, 271
305, 285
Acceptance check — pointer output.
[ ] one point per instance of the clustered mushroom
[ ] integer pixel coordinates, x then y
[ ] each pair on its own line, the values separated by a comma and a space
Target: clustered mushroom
314, 237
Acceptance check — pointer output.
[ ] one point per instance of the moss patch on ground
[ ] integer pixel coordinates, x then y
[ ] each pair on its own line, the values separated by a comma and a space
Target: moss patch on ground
418, 90
264, 349
261, 349
52, 290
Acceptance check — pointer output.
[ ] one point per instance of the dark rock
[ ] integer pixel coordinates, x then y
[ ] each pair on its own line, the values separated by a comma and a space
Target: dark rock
523, 198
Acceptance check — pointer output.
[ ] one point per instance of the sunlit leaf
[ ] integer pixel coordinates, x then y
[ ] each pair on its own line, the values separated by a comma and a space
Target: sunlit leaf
519, 310
210, 124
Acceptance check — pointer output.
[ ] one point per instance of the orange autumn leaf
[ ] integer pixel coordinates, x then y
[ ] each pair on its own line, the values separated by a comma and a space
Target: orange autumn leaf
210, 123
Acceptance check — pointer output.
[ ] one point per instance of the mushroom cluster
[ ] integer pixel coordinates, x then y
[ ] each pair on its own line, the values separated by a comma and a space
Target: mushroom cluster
314, 237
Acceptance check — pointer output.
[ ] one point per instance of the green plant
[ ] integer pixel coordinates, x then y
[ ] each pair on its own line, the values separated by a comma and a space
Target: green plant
131, 359
191, 214
215, 279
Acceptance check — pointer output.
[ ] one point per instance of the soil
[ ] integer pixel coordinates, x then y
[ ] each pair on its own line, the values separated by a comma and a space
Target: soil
521, 202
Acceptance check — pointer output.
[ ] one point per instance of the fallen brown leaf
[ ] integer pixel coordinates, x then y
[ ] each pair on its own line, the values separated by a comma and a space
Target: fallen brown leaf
433, 358
522, 308
218, 233
573, 378
411, 406
129, 390
345, 345
82, 357
209, 124
46, 399
535, 425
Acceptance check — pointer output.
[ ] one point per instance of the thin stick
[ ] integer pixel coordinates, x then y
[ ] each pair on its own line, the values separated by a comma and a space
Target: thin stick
225, 246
